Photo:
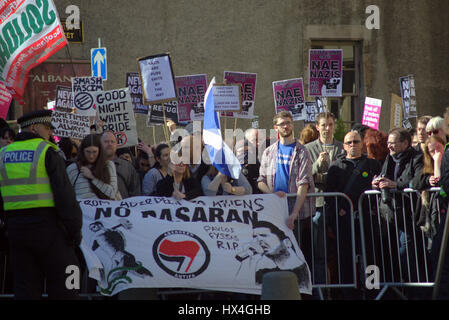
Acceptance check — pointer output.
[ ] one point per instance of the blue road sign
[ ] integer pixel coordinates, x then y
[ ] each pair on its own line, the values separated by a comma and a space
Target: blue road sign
98, 63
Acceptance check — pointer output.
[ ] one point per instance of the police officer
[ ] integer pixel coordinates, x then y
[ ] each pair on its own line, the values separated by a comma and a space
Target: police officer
42, 215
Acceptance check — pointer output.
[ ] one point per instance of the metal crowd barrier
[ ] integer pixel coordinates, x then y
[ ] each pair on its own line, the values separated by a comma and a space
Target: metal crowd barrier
320, 250
372, 241
393, 244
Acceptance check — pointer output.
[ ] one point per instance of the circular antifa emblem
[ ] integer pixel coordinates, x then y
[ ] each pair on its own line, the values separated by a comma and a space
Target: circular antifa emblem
181, 254
83, 100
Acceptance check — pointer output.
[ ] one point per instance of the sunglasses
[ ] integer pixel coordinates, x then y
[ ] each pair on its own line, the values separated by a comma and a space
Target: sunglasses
429, 133
348, 143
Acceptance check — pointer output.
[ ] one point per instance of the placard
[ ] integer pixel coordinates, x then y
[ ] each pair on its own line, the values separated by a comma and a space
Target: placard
413, 112
371, 113
83, 90
135, 89
171, 112
227, 97
248, 83
64, 100
325, 72
115, 109
157, 78
70, 125
404, 83
289, 95
191, 90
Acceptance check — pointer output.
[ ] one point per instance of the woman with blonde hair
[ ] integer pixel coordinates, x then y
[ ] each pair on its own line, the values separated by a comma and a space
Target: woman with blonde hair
429, 177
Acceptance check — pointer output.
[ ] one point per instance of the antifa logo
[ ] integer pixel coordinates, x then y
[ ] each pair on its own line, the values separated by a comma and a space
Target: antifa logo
181, 254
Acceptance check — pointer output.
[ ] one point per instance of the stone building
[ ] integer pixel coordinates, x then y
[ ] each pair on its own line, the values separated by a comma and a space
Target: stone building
272, 39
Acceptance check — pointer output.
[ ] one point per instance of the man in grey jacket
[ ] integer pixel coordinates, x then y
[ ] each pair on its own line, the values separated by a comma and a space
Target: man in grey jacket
127, 177
323, 152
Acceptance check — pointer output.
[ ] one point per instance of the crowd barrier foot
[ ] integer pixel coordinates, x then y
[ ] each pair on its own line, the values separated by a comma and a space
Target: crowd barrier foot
396, 290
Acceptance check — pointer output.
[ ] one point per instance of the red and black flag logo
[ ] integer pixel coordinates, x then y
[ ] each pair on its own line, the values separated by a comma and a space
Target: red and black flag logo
181, 254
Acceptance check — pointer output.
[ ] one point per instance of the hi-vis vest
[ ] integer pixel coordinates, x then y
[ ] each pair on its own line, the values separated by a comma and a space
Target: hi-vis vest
24, 182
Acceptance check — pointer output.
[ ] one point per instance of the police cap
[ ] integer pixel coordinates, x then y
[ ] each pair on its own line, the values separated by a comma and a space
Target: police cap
35, 117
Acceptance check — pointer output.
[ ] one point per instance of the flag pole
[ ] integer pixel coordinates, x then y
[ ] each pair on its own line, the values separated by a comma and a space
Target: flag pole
165, 124
154, 135
233, 134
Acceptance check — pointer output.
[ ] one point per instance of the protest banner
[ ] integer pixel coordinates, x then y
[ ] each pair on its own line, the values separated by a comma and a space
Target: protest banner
64, 101
248, 83
115, 109
135, 89
191, 90
158, 242
371, 112
156, 113
289, 95
5, 100
30, 32
83, 91
70, 125
227, 97
396, 111
325, 72
157, 78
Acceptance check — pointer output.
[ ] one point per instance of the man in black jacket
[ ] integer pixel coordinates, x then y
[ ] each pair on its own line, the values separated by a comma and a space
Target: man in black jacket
43, 216
400, 167
351, 174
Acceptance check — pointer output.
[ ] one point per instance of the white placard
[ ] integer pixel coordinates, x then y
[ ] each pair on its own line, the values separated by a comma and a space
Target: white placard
70, 125
83, 89
157, 79
227, 98
115, 108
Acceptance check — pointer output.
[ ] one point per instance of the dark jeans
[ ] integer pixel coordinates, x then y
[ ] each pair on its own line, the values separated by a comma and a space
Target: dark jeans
40, 251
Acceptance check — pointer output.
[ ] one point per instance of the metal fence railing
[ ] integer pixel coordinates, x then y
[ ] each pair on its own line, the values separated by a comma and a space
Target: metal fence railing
339, 247
395, 244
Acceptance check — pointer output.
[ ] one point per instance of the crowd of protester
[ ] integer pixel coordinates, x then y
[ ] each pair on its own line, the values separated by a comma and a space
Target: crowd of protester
314, 161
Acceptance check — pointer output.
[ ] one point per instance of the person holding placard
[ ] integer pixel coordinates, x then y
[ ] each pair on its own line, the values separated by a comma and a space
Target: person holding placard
127, 177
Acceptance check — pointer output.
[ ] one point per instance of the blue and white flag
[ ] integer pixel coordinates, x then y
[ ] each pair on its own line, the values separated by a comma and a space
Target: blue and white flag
221, 156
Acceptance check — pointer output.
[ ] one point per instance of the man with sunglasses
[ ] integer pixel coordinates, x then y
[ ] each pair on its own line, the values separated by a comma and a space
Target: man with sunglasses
43, 216
351, 174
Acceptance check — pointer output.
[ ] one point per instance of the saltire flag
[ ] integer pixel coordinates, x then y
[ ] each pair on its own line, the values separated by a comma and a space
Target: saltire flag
221, 156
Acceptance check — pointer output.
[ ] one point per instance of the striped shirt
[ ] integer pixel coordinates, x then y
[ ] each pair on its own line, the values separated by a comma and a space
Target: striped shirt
82, 186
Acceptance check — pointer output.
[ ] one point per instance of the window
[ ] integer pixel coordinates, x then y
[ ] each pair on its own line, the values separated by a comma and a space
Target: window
348, 106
